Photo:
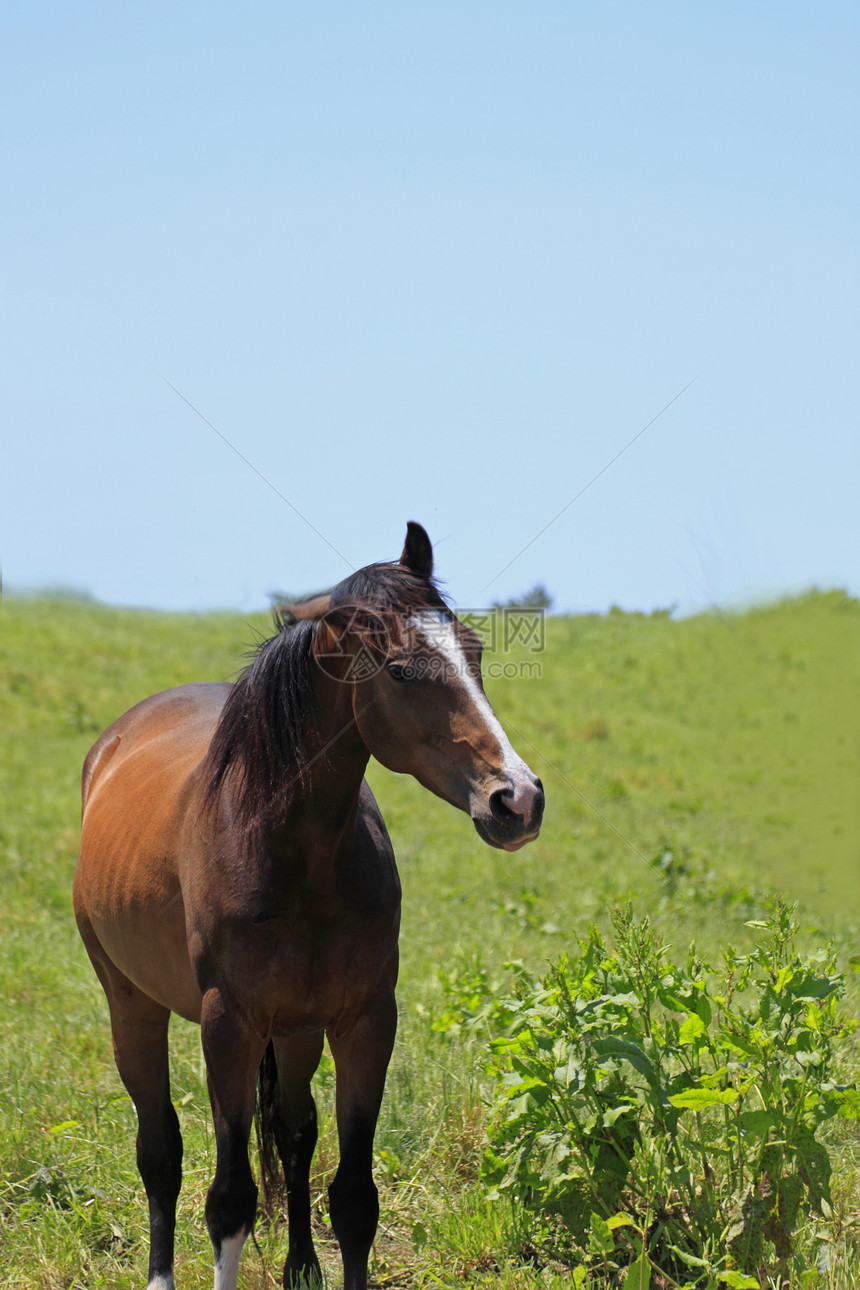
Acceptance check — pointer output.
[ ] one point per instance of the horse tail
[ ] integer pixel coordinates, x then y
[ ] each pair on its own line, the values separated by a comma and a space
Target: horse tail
266, 1114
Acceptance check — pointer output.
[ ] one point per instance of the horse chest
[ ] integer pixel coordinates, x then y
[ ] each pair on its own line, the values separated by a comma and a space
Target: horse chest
326, 986
298, 974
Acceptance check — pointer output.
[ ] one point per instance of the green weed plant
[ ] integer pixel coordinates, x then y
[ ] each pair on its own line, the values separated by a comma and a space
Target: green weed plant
664, 1117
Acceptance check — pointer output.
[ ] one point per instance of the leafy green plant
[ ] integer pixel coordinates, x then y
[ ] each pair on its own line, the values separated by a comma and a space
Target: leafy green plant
636, 1095
474, 1001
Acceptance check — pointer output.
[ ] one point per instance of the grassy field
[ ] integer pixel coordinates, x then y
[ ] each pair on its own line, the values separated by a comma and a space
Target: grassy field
699, 766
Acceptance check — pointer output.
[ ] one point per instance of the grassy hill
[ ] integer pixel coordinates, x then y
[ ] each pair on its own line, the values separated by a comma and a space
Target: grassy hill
695, 764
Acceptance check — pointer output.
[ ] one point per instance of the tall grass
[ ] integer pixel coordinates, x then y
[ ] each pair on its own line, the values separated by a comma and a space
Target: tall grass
695, 765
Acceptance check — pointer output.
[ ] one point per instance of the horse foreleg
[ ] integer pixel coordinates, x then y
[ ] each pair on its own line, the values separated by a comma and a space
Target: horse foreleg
361, 1060
296, 1136
233, 1054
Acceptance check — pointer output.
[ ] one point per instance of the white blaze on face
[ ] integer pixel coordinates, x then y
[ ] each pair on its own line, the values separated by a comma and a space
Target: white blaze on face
440, 634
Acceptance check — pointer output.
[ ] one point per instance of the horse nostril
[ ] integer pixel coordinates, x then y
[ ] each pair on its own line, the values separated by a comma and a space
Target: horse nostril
500, 808
538, 805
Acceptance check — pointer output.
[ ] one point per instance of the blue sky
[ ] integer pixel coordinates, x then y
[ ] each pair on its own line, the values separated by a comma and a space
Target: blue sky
437, 262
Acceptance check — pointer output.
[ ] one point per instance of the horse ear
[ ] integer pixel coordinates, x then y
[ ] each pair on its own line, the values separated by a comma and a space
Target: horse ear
417, 550
313, 608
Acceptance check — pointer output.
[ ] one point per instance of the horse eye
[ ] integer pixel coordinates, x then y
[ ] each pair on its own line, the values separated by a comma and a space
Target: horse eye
400, 672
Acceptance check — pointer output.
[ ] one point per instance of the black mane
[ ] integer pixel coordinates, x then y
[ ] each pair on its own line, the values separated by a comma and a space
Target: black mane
260, 742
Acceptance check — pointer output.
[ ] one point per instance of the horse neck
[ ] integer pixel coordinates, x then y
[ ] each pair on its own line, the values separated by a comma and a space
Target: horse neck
323, 813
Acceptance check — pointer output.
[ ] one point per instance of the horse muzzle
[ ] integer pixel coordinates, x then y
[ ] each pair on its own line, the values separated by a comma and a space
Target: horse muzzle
514, 816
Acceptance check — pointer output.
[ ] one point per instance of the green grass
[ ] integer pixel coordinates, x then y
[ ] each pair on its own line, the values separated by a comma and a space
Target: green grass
696, 765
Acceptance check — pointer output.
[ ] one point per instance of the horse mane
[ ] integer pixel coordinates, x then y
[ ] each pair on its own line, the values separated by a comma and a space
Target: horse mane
386, 591
260, 733
260, 741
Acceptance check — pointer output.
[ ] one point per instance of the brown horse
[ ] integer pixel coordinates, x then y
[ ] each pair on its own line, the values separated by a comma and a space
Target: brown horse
235, 869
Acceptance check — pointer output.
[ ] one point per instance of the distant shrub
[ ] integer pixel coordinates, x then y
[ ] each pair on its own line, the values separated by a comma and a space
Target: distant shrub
537, 598
54, 591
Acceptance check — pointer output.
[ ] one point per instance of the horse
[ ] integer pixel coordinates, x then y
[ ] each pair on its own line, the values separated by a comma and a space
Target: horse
235, 869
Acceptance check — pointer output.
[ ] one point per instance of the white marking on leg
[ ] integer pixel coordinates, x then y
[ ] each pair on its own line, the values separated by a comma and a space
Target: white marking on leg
227, 1263
161, 1282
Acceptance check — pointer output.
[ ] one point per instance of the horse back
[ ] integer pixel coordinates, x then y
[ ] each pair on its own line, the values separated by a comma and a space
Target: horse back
186, 715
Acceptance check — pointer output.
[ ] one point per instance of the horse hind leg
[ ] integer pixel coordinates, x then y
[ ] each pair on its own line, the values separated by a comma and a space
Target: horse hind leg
139, 1028
288, 1115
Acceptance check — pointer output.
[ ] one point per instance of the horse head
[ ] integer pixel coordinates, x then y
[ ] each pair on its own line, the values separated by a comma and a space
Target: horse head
417, 693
